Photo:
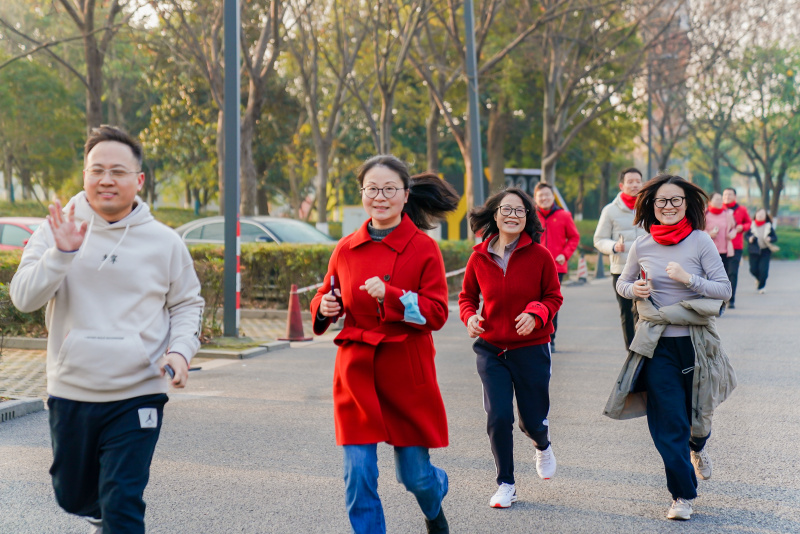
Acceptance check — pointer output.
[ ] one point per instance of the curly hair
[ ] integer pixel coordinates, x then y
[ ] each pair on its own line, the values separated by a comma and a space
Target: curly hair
696, 200
481, 218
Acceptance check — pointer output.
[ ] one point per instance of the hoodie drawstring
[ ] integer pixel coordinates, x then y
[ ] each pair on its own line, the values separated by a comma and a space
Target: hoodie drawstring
111, 253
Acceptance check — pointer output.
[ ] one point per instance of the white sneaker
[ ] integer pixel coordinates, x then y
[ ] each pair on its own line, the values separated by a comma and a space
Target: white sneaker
96, 526
546, 463
702, 464
762, 291
504, 496
681, 510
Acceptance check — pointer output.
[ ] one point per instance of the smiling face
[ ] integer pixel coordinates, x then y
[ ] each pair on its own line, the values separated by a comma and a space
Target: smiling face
716, 200
112, 198
761, 215
544, 198
385, 212
631, 184
512, 225
728, 196
669, 214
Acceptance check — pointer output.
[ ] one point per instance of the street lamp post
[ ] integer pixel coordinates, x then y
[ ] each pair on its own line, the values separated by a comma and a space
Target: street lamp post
474, 113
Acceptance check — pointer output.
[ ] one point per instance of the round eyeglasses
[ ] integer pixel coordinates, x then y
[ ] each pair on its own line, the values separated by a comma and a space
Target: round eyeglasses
388, 192
508, 210
676, 202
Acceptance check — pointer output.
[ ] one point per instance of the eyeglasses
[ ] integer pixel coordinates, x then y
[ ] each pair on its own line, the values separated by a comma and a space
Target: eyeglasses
508, 210
388, 192
97, 173
676, 202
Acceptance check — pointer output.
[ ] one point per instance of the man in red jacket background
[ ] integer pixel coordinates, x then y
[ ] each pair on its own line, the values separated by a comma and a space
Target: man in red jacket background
560, 235
742, 219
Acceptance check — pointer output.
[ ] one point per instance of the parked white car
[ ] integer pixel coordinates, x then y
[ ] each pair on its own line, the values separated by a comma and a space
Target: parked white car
260, 229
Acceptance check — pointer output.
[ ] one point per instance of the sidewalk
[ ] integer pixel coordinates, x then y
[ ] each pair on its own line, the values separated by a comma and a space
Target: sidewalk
22, 372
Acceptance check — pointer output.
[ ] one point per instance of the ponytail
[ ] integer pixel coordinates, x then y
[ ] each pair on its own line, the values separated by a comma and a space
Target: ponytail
429, 198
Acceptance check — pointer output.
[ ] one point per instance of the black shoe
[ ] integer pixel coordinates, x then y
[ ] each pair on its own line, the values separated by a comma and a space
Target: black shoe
731, 306
438, 525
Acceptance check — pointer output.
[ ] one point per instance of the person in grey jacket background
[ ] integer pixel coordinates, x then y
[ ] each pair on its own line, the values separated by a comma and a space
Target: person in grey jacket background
614, 235
123, 301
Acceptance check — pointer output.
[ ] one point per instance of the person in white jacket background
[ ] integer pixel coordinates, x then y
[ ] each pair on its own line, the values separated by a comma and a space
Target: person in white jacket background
614, 236
123, 301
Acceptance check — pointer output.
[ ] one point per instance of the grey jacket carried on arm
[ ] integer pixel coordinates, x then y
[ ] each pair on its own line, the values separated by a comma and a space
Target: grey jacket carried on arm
714, 378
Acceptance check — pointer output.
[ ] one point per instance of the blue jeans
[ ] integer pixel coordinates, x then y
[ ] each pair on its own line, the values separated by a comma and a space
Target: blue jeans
413, 469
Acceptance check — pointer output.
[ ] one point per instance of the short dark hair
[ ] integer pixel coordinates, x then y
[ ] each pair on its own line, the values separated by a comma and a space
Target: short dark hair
113, 133
729, 189
696, 200
481, 218
542, 185
623, 172
429, 197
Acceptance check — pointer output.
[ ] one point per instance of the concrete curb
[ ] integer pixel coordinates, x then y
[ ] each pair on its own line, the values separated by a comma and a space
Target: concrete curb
26, 343
243, 354
19, 406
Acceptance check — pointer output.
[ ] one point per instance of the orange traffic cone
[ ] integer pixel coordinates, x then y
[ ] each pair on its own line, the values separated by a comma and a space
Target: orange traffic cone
294, 319
583, 273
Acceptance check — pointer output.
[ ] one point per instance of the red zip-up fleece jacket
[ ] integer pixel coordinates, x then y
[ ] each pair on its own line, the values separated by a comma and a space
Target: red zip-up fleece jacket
560, 234
530, 284
740, 216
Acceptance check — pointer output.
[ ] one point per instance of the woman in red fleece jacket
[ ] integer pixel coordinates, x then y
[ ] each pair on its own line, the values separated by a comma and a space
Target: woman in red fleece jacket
521, 293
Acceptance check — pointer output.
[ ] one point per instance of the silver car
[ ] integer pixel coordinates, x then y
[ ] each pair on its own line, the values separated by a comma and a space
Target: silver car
259, 229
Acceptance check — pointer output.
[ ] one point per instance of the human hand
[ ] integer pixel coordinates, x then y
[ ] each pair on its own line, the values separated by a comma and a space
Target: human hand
619, 247
560, 259
181, 368
714, 231
739, 228
474, 326
67, 235
329, 305
375, 288
641, 289
525, 323
677, 273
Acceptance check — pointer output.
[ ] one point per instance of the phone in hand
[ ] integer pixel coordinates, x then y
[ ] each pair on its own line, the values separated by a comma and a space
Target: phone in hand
169, 370
644, 274
338, 298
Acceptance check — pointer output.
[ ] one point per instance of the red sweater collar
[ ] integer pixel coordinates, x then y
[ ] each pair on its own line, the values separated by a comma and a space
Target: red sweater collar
731, 205
483, 247
396, 240
628, 200
545, 213
671, 234
716, 211
760, 223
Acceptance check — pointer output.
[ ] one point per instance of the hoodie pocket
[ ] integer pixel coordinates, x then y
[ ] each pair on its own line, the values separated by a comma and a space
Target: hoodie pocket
103, 361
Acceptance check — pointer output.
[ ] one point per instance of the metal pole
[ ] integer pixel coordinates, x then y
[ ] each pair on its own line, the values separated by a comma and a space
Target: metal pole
649, 128
474, 113
232, 281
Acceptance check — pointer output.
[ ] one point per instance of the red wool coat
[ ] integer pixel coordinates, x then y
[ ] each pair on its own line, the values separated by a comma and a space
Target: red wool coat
560, 235
530, 284
384, 382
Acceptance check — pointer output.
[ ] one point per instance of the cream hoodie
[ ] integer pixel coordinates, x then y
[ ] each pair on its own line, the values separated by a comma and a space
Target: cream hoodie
114, 307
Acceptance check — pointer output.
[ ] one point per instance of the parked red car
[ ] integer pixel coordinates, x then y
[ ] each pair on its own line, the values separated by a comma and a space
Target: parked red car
15, 231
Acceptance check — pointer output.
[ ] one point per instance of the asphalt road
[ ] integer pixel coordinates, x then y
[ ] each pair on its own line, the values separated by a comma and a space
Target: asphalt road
249, 446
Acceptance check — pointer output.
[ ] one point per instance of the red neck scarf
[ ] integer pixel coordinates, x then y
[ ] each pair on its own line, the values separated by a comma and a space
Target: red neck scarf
629, 200
545, 213
760, 223
671, 234
730, 206
715, 211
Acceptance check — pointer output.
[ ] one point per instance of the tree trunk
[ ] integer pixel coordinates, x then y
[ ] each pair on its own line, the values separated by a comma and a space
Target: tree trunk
432, 132
322, 149
605, 181
8, 175
776, 196
25, 180
495, 148
249, 176
262, 201
387, 119
187, 196
94, 80
578, 215
221, 159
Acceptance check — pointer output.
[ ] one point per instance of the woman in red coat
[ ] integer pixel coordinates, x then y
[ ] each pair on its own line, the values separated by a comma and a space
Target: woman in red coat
518, 280
389, 282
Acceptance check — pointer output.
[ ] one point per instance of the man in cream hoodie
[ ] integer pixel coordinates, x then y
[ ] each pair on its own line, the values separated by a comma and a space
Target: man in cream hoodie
123, 301
614, 236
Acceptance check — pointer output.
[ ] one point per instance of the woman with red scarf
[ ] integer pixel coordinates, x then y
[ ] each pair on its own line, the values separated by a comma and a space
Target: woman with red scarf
721, 227
761, 239
680, 263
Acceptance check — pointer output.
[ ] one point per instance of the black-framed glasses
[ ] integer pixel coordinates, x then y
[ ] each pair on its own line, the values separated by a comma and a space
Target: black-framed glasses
97, 173
676, 202
507, 210
388, 192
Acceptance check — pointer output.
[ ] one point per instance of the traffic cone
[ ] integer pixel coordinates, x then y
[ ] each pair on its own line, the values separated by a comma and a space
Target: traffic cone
599, 272
294, 319
582, 272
